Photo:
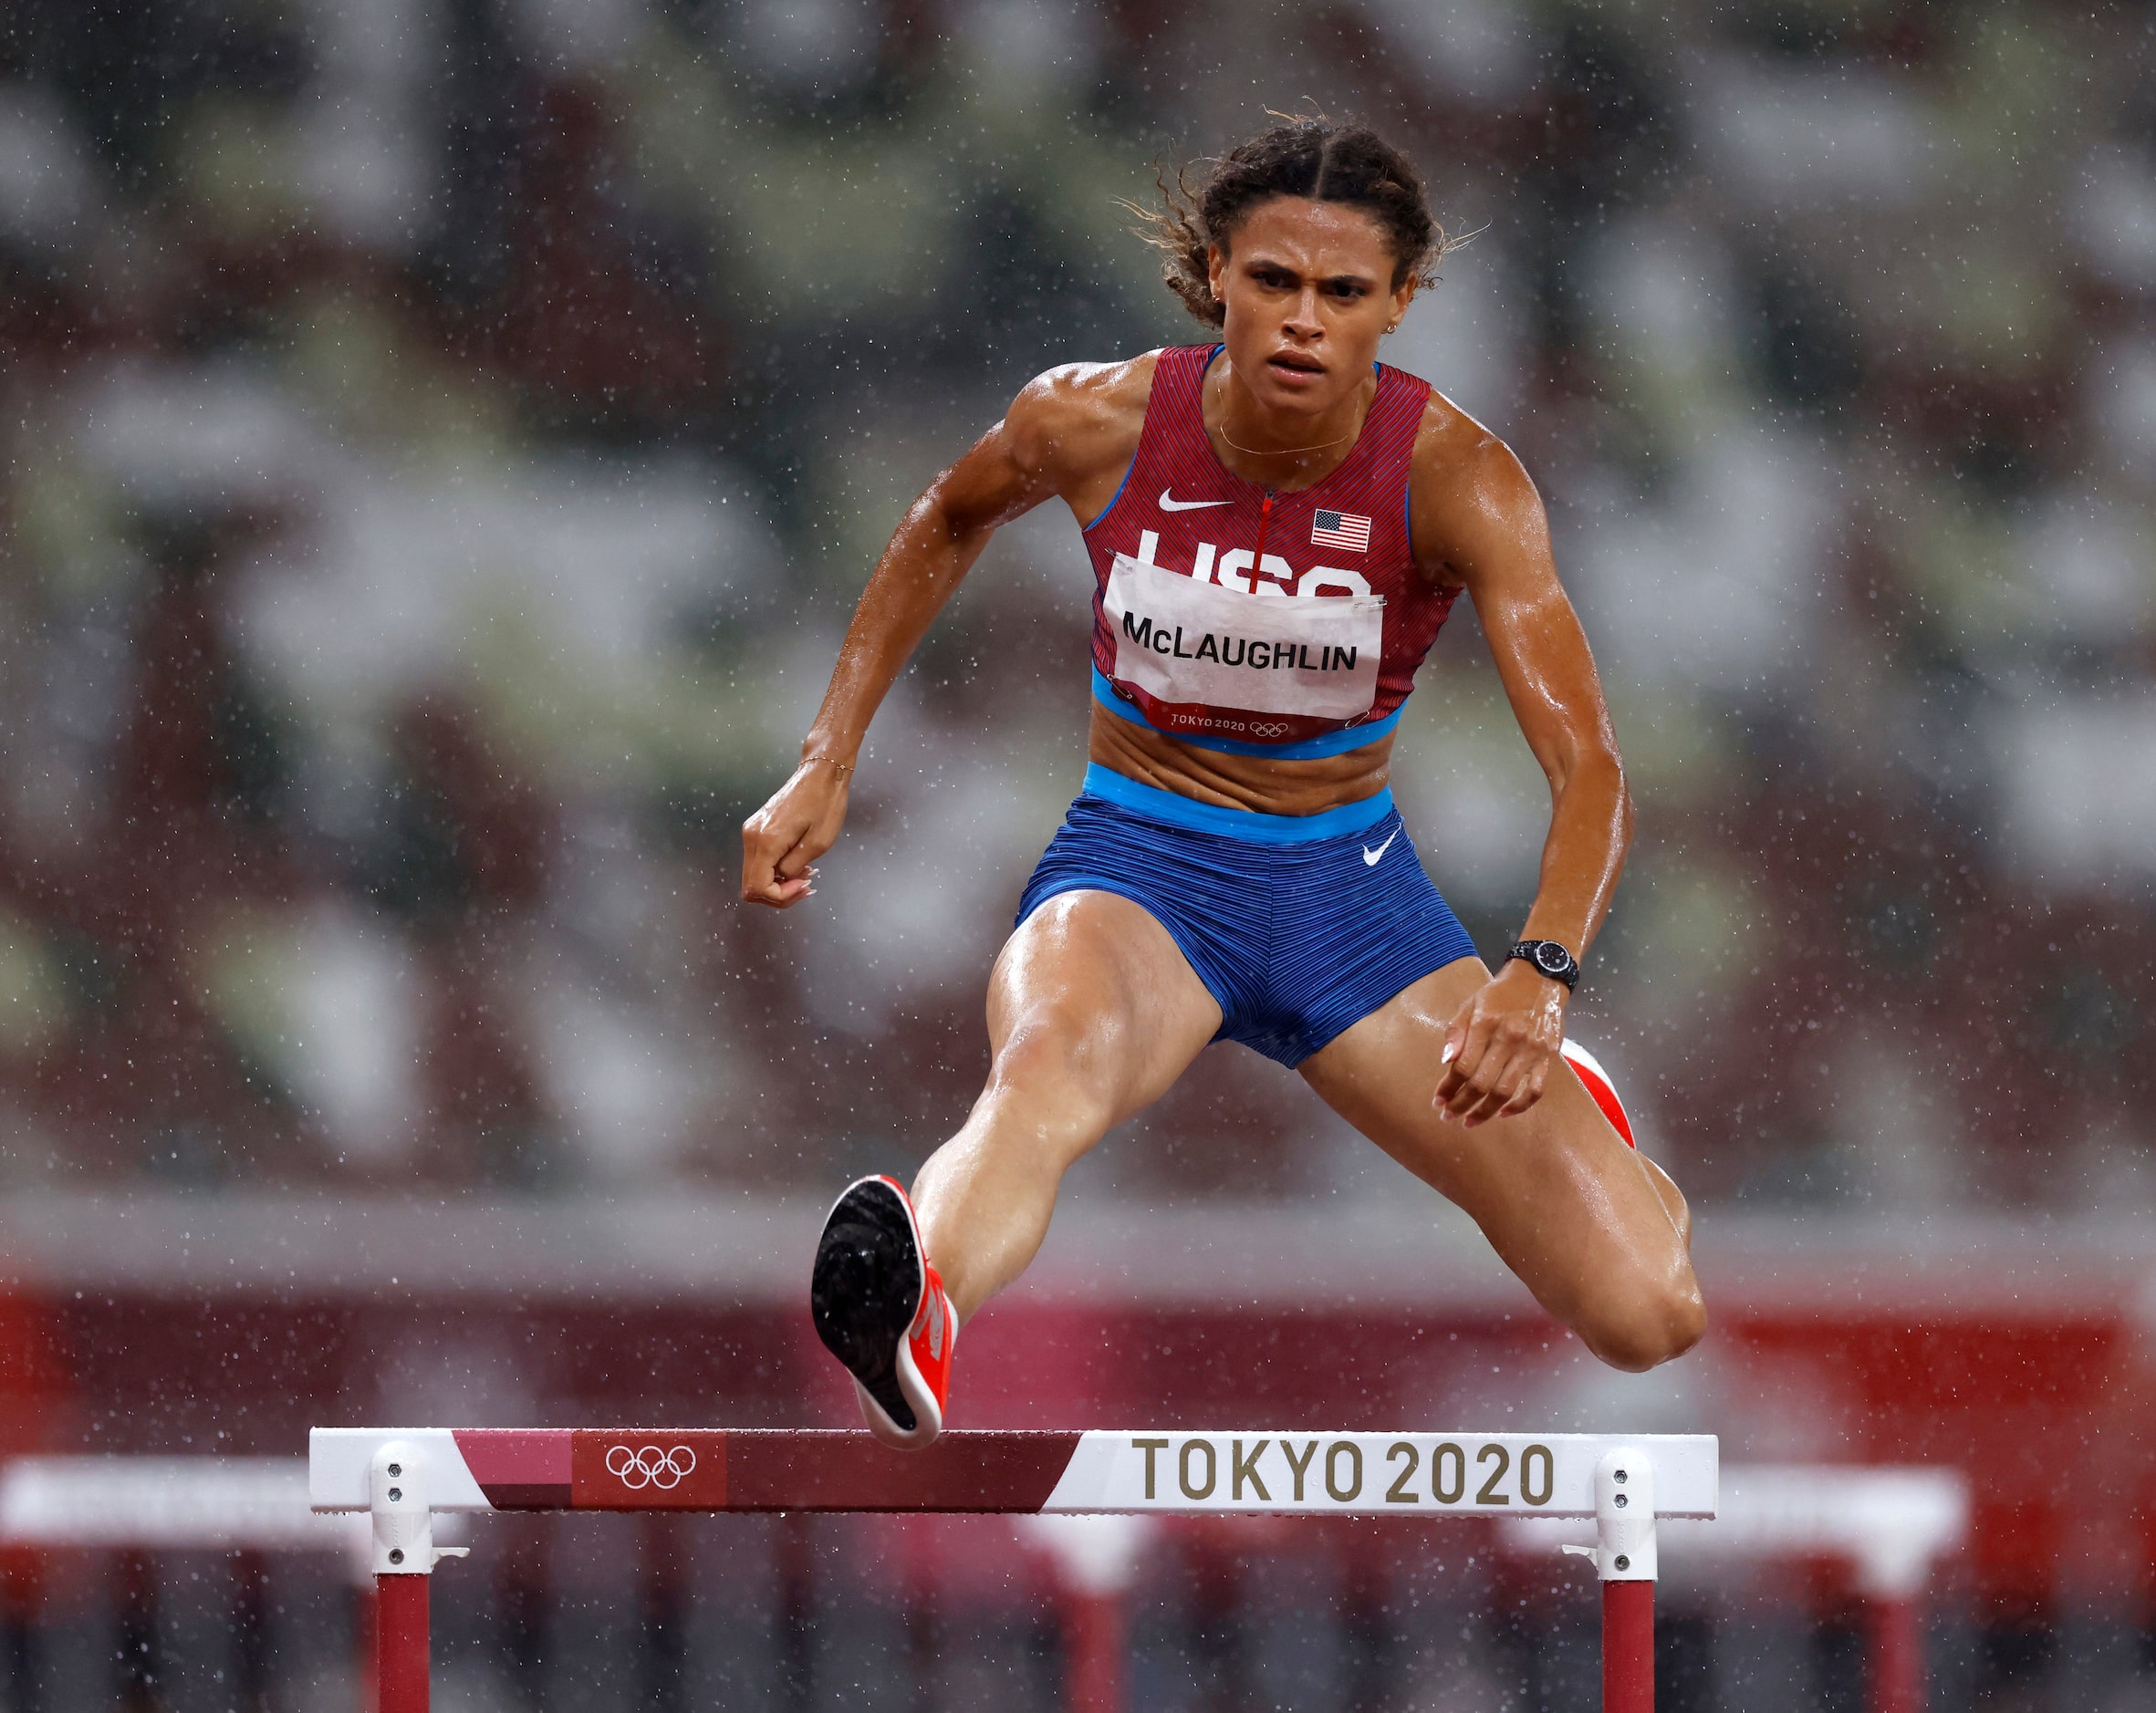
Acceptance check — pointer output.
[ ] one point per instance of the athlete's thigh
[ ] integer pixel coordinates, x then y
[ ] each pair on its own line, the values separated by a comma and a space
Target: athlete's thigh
1569, 1206
1093, 984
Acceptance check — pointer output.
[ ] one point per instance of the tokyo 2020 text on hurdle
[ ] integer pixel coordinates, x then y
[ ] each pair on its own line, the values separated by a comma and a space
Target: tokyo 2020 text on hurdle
403, 1476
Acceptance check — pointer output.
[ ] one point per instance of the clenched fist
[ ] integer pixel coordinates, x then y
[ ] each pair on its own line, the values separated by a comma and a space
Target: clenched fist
1500, 1047
800, 823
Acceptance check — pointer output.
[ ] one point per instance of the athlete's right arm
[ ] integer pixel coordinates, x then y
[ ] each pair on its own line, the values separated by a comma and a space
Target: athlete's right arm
1066, 433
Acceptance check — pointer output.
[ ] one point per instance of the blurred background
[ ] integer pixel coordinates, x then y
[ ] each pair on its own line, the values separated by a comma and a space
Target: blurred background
442, 441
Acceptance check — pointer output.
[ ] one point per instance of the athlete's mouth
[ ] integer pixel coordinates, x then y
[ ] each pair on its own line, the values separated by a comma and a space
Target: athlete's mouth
1295, 363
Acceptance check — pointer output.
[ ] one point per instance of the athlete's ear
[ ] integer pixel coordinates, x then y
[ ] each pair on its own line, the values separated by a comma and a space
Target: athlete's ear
1216, 271
1401, 299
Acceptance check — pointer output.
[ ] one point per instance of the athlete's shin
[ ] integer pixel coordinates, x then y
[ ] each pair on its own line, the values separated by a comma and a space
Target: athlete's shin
985, 1199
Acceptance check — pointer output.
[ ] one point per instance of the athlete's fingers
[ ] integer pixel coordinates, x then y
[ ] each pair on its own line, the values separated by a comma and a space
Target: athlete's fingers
1524, 1097
794, 861
780, 842
1460, 1086
1476, 1027
760, 857
1455, 1035
775, 860
1494, 1039
1494, 1088
1529, 1091
778, 893
1509, 1076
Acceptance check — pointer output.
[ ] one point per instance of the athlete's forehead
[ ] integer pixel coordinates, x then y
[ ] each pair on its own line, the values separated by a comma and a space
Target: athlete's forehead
1316, 240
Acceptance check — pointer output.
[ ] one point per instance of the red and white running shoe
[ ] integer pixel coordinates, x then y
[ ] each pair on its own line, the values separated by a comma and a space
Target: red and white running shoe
1590, 1072
879, 1308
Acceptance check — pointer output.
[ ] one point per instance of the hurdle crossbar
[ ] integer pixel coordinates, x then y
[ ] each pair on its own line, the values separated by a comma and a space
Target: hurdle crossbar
404, 1477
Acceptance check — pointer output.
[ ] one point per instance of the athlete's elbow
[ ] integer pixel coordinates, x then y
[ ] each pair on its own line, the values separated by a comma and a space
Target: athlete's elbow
1594, 774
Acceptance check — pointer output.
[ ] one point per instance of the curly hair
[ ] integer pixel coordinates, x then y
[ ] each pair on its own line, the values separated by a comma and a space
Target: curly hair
1305, 155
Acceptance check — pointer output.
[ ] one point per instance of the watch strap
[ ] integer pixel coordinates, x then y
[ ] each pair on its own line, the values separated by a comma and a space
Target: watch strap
1547, 957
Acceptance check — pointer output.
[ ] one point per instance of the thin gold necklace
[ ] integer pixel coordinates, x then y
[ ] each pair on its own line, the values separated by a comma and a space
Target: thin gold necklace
1284, 451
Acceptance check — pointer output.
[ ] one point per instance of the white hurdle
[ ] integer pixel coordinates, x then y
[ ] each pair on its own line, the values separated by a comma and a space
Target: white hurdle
151, 1504
403, 1477
1891, 1525
201, 1504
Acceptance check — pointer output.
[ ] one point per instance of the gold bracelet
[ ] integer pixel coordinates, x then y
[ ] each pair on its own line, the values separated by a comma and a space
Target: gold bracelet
843, 767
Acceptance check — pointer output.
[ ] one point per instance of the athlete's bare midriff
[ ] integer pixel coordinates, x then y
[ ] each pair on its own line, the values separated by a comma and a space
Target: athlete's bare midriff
1305, 786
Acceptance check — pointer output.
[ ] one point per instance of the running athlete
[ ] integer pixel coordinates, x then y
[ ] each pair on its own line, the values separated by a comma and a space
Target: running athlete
1278, 525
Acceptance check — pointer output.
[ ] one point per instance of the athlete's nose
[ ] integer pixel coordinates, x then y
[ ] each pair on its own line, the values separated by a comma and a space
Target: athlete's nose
1302, 320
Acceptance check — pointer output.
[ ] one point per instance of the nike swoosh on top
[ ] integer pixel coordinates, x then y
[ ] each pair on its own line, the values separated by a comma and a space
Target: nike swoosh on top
1370, 857
1168, 504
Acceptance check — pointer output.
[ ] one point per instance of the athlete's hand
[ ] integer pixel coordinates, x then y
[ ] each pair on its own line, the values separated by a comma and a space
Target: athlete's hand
1501, 1046
780, 841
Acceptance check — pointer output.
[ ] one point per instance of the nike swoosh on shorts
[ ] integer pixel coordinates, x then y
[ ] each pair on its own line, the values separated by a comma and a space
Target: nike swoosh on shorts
1168, 504
1370, 857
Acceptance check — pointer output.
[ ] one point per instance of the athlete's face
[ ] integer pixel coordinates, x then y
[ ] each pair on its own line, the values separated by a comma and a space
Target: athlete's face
1308, 291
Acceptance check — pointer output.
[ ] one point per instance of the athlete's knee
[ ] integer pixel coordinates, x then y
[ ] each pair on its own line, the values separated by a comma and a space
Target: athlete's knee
1064, 1056
1644, 1324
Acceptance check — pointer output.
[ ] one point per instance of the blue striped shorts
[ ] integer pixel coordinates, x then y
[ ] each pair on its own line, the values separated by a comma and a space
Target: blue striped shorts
1299, 926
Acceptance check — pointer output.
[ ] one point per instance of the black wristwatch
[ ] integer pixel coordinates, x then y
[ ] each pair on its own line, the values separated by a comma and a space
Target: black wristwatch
1549, 959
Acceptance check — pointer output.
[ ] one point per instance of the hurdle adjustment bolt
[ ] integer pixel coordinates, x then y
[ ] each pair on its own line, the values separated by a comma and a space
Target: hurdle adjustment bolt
1620, 1474
1621, 1500
397, 1469
397, 1557
396, 1493
1623, 1562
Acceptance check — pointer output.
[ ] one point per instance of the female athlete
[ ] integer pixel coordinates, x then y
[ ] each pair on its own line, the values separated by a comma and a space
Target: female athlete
1278, 523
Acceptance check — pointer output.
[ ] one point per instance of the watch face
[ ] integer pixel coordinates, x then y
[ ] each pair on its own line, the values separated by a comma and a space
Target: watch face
1551, 957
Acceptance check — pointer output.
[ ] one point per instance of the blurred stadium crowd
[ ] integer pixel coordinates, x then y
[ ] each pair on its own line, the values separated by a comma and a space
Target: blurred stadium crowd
443, 438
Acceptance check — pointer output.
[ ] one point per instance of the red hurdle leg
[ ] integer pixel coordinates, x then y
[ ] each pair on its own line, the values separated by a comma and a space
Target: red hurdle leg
1896, 1667
1094, 1624
1625, 1559
1628, 1648
401, 1644
403, 1559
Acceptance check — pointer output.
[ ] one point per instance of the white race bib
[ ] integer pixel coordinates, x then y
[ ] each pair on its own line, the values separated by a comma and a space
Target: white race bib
1186, 641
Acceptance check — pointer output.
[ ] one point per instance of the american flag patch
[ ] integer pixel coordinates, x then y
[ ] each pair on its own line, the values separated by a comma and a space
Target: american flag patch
1341, 529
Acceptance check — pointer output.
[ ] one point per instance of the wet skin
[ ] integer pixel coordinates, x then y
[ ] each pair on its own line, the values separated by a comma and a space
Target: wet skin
1092, 1011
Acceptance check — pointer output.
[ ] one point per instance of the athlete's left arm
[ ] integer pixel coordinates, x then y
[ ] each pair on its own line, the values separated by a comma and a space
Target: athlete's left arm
1479, 524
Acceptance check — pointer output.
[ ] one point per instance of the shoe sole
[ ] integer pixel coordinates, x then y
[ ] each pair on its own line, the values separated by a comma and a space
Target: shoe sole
865, 1290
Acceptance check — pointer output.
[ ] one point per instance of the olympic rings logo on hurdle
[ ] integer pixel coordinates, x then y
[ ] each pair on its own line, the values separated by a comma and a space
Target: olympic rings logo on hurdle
1267, 729
647, 1466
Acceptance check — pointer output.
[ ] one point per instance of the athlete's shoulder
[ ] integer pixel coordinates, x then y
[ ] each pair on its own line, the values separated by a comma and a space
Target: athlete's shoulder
1468, 493
1455, 453
1081, 413
1081, 390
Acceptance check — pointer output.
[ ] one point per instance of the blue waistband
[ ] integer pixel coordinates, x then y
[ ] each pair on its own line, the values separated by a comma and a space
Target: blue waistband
1244, 824
1328, 744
